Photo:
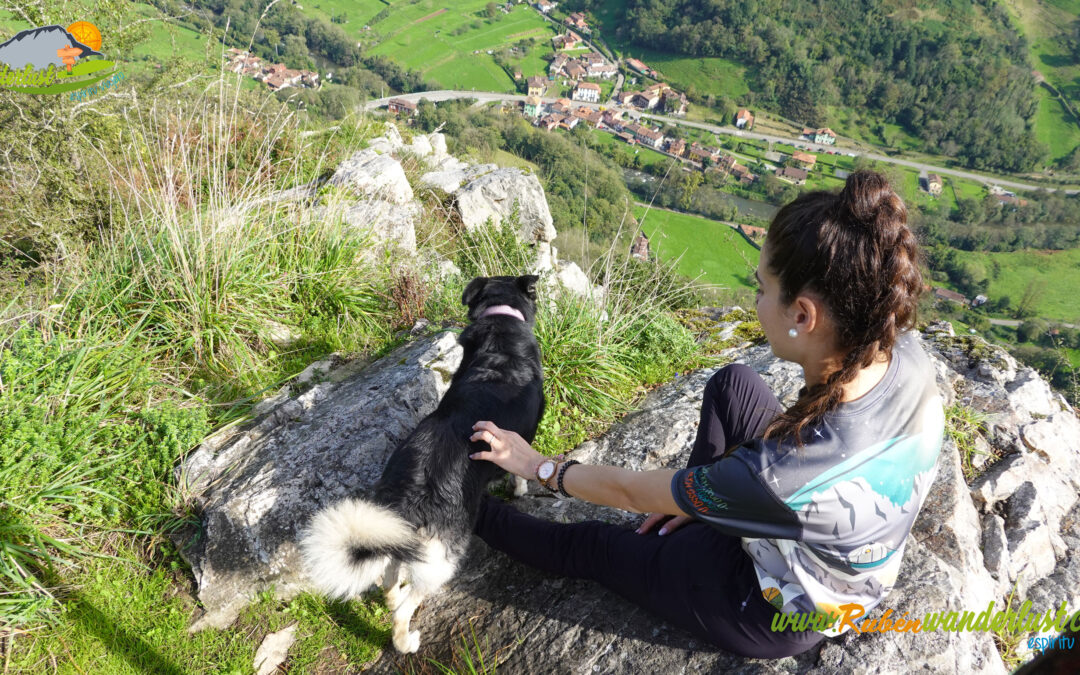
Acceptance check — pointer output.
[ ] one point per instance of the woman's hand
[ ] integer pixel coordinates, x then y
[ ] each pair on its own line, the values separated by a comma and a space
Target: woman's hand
508, 450
672, 523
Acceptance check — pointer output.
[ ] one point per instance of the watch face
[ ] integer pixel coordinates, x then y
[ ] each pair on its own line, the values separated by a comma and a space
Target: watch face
546, 469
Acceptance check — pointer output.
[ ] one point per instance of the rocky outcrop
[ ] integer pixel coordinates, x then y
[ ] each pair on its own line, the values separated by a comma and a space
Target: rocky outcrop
369, 174
1016, 525
498, 194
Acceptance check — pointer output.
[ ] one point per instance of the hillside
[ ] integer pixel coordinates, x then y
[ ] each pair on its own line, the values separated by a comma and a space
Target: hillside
953, 76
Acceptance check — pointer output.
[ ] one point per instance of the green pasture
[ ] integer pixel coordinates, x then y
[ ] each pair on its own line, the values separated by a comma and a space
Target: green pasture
358, 13
420, 36
1045, 24
711, 251
1057, 273
1054, 126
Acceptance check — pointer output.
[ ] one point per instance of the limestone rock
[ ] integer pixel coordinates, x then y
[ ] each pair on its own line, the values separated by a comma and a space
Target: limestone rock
392, 224
438, 146
369, 174
452, 173
390, 142
255, 489
274, 650
497, 194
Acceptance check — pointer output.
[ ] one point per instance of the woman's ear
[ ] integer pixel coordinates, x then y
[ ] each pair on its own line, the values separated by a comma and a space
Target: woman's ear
808, 312
473, 290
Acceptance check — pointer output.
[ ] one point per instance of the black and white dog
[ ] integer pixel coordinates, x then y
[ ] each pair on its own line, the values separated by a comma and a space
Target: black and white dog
414, 527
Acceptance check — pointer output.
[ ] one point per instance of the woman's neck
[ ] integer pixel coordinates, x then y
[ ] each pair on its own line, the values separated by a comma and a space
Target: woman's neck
817, 371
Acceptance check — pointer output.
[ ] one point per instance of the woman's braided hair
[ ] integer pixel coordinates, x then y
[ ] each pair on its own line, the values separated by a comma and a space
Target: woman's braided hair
854, 250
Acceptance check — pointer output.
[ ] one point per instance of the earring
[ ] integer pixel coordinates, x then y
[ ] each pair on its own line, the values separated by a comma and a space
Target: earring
793, 333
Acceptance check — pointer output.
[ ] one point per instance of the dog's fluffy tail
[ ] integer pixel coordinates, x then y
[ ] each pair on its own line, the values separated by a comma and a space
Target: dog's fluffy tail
347, 546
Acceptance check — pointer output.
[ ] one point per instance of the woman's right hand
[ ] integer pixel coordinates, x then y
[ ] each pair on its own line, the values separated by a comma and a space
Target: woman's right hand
672, 523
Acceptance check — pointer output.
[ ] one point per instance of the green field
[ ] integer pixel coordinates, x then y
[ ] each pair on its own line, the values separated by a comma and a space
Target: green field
712, 252
1054, 126
1057, 271
421, 36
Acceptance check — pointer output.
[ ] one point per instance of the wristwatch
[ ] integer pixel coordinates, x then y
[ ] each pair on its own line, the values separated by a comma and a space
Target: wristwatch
545, 470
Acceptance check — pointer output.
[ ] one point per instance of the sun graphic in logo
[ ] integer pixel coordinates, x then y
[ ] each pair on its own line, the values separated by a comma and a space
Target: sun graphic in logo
86, 33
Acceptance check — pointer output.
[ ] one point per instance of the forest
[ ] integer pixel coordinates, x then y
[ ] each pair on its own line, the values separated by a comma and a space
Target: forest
956, 75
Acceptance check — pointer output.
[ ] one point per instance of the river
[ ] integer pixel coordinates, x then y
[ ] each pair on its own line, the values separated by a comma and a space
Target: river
747, 207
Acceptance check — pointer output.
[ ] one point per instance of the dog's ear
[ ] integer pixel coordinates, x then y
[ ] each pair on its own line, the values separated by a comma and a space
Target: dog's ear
473, 290
527, 285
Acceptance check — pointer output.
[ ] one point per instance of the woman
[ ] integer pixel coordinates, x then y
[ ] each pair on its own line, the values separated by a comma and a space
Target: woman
803, 510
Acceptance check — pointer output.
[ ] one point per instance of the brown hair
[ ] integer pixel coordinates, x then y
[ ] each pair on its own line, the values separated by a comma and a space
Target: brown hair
854, 250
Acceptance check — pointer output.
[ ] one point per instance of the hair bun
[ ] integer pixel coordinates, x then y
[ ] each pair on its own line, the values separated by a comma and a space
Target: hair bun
869, 200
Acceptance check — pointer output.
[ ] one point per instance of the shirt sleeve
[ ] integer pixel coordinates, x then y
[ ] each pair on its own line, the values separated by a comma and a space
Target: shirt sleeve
729, 495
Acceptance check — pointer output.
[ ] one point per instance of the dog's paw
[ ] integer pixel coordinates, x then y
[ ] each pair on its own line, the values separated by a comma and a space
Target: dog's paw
410, 643
521, 486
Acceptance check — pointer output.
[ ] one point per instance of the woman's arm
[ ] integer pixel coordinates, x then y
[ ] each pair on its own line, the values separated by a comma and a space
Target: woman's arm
639, 491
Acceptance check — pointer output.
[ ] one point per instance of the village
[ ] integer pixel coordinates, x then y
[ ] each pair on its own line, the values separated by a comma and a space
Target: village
275, 75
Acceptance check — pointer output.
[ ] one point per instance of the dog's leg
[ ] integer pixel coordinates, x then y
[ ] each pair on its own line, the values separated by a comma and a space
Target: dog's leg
406, 641
521, 486
392, 585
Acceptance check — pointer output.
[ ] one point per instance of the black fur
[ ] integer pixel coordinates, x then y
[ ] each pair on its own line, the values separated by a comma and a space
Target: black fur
430, 480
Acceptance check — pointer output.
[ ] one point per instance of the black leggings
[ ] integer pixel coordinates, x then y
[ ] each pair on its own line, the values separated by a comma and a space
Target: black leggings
696, 578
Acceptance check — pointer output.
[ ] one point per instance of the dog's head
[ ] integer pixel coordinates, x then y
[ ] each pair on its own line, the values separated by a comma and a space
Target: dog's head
518, 293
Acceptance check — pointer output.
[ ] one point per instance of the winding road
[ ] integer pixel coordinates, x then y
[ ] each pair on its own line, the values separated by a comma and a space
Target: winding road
485, 97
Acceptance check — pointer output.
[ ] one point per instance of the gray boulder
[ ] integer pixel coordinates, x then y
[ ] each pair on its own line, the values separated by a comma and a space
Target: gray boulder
370, 174
497, 194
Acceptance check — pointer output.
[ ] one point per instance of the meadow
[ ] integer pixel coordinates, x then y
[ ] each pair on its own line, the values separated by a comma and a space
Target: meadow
1055, 127
1056, 273
451, 45
707, 250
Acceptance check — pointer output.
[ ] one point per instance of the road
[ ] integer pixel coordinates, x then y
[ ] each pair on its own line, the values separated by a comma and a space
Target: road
490, 97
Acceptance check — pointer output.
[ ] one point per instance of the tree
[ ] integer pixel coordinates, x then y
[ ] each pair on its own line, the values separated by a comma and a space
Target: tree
491, 10
1029, 302
1032, 330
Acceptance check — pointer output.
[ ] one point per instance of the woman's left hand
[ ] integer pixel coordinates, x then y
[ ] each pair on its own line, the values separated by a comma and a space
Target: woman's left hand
508, 450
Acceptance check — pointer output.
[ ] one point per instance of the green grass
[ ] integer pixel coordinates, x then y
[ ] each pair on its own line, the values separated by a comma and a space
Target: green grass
1054, 126
418, 38
1057, 271
710, 250
648, 156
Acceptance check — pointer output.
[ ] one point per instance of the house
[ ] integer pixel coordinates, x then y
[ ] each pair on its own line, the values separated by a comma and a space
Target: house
549, 121
533, 106
400, 105
569, 121
952, 296
646, 136
792, 175
561, 107
676, 146
546, 6
587, 114
625, 97
647, 100
577, 20
592, 58
934, 184
700, 153
675, 103
640, 248
743, 174
612, 118
604, 70
824, 137
804, 159
536, 86
979, 300
569, 40
1011, 199
753, 232
587, 91
517, 75
575, 70
744, 120
639, 67
628, 137
557, 64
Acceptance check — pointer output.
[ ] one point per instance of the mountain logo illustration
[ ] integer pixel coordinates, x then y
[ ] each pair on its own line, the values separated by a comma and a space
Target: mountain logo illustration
53, 59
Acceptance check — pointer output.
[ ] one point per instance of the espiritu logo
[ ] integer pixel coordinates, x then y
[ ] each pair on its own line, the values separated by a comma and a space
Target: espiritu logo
54, 59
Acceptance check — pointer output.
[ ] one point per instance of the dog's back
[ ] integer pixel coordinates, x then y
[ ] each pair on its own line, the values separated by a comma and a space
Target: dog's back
415, 526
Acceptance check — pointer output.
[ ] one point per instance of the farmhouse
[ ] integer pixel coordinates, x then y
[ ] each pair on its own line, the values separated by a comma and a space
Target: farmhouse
792, 175
577, 20
612, 118
640, 67
934, 184
587, 91
646, 136
700, 153
804, 159
951, 296
533, 106
536, 86
676, 146
546, 6
822, 136
752, 232
744, 120
400, 105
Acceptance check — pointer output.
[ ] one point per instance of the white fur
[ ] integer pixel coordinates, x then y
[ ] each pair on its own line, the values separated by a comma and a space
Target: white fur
333, 531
